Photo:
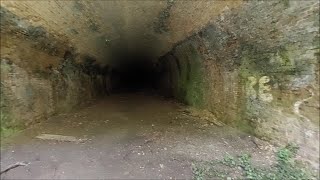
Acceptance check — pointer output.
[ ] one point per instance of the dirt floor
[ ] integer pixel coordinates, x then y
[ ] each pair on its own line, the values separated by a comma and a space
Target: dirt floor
133, 136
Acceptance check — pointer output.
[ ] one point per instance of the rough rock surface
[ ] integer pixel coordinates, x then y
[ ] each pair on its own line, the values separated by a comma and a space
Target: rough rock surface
257, 68
253, 64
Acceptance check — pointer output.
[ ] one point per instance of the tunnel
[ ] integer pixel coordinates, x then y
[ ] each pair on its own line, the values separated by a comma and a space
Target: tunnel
132, 72
166, 89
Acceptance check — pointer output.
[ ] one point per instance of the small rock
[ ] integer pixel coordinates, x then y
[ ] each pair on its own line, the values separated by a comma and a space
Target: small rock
161, 166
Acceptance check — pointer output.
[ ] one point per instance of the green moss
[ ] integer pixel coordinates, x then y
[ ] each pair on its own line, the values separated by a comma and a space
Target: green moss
255, 63
8, 128
9, 131
286, 3
190, 83
194, 86
283, 53
181, 81
260, 62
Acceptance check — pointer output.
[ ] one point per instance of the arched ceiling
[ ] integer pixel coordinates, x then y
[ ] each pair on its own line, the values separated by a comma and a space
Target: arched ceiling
94, 27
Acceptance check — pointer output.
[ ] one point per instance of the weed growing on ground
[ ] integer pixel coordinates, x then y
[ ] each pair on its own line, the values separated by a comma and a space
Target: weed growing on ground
198, 172
286, 167
5, 130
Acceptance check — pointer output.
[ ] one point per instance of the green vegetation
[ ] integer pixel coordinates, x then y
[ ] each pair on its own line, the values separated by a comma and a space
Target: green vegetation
194, 86
6, 130
6, 122
258, 62
286, 3
286, 167
190, 83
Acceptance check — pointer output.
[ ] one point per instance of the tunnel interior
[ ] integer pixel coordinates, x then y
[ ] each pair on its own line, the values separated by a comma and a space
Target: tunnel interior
249, 65
132, 72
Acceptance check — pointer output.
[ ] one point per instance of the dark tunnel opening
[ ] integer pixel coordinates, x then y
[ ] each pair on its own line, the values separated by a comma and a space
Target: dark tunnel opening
132, 68
152, 89
132, 73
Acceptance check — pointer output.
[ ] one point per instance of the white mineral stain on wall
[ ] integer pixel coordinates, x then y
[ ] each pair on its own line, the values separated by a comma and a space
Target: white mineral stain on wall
263, 89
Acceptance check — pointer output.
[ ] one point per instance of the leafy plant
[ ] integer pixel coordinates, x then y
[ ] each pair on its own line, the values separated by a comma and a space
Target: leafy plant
286, 167
229, 161
198, 172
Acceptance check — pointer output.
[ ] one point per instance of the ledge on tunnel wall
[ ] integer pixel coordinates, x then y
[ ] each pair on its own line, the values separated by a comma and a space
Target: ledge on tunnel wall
256, 68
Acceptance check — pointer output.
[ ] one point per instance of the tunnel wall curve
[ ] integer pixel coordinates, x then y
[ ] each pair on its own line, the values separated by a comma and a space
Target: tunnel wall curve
256, 68
41, 74
35, 35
